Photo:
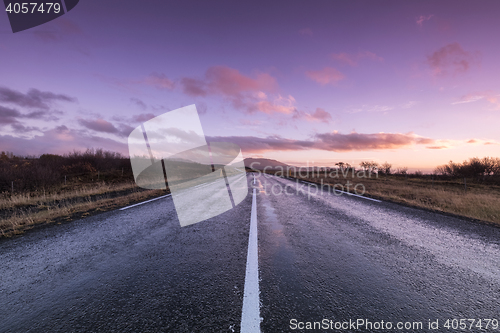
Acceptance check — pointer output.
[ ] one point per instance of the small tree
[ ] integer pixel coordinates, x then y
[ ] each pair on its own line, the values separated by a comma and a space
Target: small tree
369, 166
402, 170
386, 168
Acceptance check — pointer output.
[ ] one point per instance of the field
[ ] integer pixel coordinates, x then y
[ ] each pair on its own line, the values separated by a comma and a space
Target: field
22, 211
57, 189
474, 199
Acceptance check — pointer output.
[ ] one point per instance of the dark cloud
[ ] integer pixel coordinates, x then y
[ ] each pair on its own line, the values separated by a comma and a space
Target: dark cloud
193, 87
104, 126
143, 117
8, 115
19, 128
139, 103
99, 125
13, 116
34, 98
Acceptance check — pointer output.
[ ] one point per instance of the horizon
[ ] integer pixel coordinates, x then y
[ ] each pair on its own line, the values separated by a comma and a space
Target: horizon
413, 84
306, 164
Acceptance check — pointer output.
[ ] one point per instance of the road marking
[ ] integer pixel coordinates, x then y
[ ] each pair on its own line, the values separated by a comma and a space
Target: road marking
140, 203
357, 195
250, 316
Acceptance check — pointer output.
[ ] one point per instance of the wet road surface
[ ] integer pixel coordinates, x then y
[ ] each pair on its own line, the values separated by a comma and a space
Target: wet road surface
321, 258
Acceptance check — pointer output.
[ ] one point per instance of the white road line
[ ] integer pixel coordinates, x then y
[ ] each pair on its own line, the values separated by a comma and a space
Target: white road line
140, 203
356, 195
250, 316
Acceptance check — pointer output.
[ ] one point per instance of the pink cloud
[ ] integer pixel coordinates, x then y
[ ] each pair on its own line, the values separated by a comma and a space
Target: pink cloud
451, 58
284, 105
244, 92
489, 96
422, 18
230, 82
353, 59
326, 75
319, 115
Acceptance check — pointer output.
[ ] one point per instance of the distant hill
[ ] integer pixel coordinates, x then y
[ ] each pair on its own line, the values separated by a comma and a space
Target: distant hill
261, 163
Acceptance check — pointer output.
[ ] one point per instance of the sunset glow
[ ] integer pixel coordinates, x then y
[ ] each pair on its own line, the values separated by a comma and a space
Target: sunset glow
412, 83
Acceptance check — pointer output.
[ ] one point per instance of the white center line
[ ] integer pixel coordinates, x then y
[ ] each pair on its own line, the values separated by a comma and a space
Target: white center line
140, 203
250, 317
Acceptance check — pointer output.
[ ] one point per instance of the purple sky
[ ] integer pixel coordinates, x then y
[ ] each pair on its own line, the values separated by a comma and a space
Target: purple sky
413, 83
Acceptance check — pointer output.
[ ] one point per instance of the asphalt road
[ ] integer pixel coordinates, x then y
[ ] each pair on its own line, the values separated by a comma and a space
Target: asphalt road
322, 257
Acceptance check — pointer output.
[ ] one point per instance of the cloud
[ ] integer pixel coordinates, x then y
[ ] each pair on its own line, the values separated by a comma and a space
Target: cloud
13, 116
99, 125
357, 141
422, 18
193, 87
371, 108
319, 115
104, 126
34, 98
159, 81
143, 117
332, 141
257, 93
305, 32
8, 115
230, 82
139, 103
325, 76
436, 147
353, 59
451, 58
489, 96
285, 105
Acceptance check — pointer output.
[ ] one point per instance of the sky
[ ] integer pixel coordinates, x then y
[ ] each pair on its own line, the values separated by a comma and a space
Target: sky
414, 83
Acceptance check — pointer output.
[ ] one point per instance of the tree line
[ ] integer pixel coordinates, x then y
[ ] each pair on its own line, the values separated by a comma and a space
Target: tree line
32, 173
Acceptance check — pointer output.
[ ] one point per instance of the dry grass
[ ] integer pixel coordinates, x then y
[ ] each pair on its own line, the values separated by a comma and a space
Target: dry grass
23, 211
480, 201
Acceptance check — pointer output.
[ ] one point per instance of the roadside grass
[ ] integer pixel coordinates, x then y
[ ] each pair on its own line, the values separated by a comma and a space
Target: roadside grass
479, 201
22, 211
